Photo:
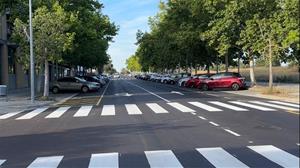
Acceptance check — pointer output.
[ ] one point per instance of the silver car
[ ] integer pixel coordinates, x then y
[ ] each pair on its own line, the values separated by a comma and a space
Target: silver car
74, 84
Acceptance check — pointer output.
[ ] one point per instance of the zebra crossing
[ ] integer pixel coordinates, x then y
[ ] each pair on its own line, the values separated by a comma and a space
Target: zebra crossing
216, 156
155, 108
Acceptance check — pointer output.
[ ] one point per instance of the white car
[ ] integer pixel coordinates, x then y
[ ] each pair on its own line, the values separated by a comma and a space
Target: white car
168, 79
183, 80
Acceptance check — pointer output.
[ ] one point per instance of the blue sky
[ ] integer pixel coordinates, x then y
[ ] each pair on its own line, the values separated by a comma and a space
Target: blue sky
129, 15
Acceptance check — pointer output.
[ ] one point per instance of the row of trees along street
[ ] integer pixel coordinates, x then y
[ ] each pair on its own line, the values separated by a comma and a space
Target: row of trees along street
69, 32
189, 34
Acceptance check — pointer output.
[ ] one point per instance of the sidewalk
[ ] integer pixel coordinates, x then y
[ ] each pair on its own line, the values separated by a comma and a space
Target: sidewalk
19, 100
288, 92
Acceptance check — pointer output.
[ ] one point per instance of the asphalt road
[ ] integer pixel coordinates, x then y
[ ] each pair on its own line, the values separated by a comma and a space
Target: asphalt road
133, 123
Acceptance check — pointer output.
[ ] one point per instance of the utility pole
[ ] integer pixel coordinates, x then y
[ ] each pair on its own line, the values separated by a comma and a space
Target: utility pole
31, 54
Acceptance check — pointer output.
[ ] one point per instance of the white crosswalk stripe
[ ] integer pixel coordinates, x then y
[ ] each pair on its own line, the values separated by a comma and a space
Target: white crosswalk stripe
110, 160
277, 155
162, 158
2, 161
58, 112
156, 108
108, 110
274, 105
220, 158
252, 106
285, 103
235, 108
181, 107
132, 109
46, 162
83, 111
204, 106
8, 115
32, 114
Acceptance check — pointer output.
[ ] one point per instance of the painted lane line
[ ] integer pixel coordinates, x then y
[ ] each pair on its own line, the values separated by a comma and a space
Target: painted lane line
108, 110
228, 106
32, 114
276, 155
181, 107
213, 123
8, 115
150, 92
162, 158
203, 118
58, 113
232, 132
83, 111
132, 109
110, 160
47, 162
101, 97
156, 108
220, 158
274, 106
177, 93
204, 106
285, 103
298, 144
2, 161
194, 113
212, 95
252, 106
65, 99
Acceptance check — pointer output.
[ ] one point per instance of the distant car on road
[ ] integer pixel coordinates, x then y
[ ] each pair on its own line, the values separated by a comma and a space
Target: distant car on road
74, 84
224, 80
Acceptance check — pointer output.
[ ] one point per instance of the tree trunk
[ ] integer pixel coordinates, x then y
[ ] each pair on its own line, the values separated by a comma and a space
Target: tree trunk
226, 63
239, 65
208, 69
46, 83
252, 76
270, 66
39, 80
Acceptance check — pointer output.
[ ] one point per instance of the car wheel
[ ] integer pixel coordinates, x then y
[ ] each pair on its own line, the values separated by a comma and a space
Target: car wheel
84, 89
205, 87
172, 82
165, 82
235, 86
55, 90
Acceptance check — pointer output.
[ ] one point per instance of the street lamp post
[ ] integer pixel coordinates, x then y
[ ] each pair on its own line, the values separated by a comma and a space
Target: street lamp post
31, 54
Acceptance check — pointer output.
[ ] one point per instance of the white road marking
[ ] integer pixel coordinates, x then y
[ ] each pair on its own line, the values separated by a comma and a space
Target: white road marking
132, 109
285, 103
228, 106
8, 115
149, 92
181, 107
298, 144
83, 111
252, 106
65, 99
58, 113
277, 155
108, 110
194, 113
101, 97
232, 132
220, 158
46, 162
275, 106
32, 114
162, 159
177, 92
213, 123
110, 160
203, 118
156, 108
212, 95
2, 161
204, 106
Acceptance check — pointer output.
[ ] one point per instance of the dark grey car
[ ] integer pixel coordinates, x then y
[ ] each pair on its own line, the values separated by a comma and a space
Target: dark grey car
74, 84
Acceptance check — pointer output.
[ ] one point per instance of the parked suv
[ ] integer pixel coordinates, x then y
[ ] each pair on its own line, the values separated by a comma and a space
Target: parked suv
74, 83
224, 80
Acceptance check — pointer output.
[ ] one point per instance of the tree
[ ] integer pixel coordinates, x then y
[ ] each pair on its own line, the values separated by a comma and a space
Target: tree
132, 64
51, 36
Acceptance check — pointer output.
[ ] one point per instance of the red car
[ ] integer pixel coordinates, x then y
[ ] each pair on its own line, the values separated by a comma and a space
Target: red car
224, 80
196, 80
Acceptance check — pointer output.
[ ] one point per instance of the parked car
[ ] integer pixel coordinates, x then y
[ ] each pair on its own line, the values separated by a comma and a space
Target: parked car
168, 79
94, 79
224, 80
74, 84
195, 81
184, 78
